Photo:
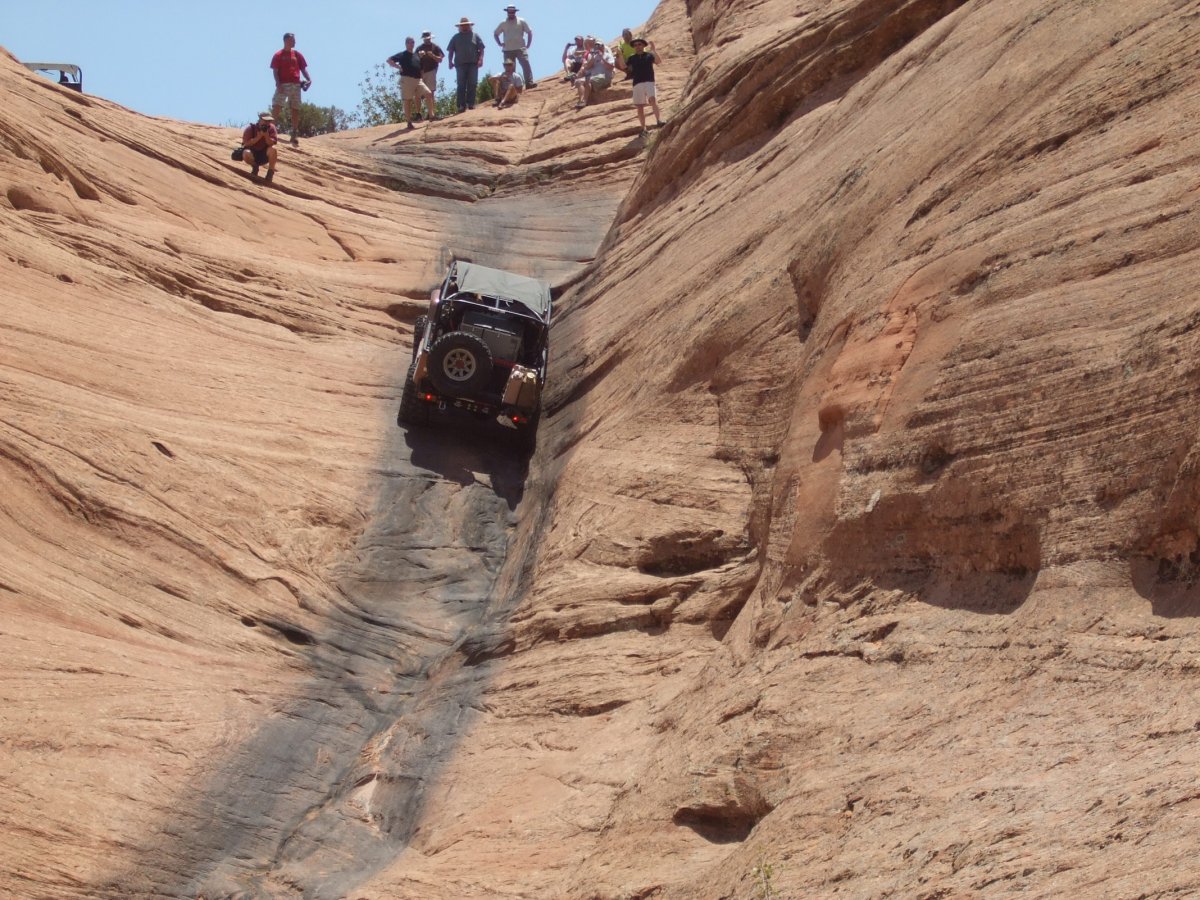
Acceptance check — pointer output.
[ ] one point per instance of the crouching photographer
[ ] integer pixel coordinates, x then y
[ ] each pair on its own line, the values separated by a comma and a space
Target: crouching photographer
258, 146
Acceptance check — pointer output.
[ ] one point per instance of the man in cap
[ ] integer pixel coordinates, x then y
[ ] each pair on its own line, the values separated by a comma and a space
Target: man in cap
464, 52
412, 89
507, 87
258, 145
515, 37
288, 65
572, 57
431, 56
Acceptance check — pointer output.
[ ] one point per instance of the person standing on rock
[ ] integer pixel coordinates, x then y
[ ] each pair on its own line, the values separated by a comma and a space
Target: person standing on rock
464, 52
431, 57
258, 145
288, 65
641, 66
515, 37
412, 89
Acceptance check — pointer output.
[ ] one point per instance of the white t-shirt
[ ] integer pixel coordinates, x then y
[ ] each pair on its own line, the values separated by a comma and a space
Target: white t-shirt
514, 31
599, 62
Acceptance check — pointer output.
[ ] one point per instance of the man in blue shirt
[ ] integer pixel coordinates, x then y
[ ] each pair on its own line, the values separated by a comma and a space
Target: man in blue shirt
465, 54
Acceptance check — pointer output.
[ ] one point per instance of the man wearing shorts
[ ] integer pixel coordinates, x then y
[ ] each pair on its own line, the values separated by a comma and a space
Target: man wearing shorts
431, 57
597, 71
572, 58
258, 145
507, 87
288, 65
412, 89
641, 66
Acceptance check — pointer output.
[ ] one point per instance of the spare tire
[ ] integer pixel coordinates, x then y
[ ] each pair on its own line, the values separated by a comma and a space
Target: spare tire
459, 363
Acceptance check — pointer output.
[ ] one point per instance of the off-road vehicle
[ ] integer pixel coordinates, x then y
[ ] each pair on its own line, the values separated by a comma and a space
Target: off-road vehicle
482, 347
69, 74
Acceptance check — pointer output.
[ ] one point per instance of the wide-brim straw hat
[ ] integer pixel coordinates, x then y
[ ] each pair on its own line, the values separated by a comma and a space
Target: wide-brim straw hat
465, 21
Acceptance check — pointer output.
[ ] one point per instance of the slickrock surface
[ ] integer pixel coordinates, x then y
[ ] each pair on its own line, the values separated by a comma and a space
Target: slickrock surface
858, 556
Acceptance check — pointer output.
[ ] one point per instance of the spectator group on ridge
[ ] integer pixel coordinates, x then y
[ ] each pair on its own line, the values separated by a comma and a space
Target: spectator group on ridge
589, 65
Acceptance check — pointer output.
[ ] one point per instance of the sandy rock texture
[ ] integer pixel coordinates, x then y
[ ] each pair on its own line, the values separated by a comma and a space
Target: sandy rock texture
858, 555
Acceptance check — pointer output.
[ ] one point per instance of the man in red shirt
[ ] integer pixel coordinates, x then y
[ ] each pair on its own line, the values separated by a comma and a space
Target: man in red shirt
289, 65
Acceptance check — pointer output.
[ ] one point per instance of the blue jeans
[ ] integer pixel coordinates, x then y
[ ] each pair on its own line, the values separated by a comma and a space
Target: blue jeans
468, 85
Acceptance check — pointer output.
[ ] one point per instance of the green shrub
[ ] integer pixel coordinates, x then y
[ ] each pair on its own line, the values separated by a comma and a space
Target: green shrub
381, 104
315, 120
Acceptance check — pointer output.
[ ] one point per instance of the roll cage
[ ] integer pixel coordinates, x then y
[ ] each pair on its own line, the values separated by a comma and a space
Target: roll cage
69, 74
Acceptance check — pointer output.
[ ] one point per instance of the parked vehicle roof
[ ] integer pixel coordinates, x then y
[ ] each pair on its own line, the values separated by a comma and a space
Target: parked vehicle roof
530, 292
68, 68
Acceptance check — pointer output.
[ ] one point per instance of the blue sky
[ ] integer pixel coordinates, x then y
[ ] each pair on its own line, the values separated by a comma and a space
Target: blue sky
208, 62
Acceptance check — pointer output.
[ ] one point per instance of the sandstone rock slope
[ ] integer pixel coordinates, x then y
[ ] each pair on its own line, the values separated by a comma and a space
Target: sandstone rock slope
858, 555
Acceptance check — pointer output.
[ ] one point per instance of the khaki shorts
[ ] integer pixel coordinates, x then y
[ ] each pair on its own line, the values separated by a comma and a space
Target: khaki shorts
643, 93
412, 88
288, 92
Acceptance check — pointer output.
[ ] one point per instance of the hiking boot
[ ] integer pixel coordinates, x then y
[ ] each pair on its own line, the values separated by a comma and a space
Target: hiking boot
270, 174
532, 84
295, 142
254, 172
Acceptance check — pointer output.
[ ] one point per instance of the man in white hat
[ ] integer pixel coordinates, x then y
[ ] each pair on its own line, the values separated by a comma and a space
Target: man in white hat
464, 53
515, 37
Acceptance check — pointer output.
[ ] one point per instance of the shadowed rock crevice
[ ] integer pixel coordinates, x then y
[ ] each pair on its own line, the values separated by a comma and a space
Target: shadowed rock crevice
1165, 568
949, 546
723, 807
